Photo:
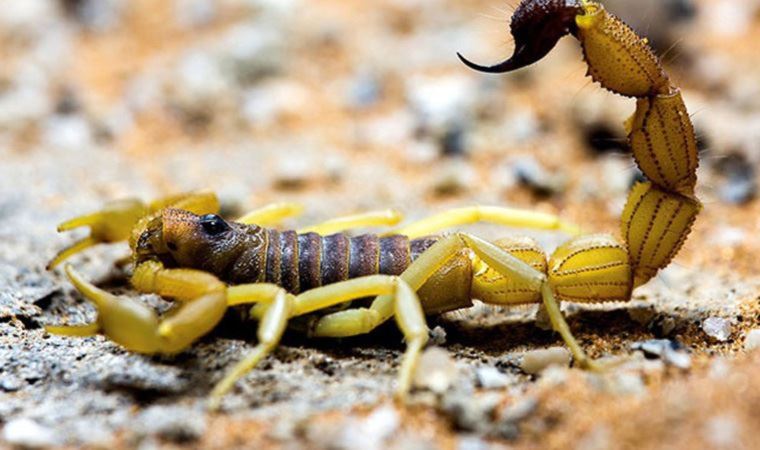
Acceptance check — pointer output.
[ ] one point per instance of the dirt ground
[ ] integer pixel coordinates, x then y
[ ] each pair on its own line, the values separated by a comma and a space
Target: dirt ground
348, 107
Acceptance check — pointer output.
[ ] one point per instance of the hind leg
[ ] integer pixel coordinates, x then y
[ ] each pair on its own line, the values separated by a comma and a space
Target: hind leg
510, 217
363, 320
380, 218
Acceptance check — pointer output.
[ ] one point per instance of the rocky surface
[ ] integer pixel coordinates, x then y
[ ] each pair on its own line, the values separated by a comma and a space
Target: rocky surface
350, 107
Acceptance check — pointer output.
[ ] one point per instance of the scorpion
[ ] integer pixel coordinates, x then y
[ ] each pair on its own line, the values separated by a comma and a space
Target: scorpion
182, 249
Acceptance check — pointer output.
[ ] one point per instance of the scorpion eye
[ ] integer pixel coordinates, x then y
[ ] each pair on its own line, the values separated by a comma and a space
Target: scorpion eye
213, 224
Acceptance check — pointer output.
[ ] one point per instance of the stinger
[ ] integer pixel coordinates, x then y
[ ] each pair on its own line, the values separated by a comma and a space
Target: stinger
537, 26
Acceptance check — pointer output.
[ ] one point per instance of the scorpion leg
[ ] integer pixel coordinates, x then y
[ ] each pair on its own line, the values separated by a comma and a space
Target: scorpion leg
559, 324
87, 330
404, 306
271, 328
359, 321
506, 264
278, 306
271, 215
386, 217
511, 217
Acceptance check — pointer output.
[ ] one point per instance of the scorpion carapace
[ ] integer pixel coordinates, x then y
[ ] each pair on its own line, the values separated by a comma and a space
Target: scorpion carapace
182, 249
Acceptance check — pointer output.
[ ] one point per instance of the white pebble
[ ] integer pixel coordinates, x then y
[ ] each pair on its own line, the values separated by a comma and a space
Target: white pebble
455, 177
194, 13
537, 360
439, 101
28, 433
292, 172
436, 370
717, 328
752, 341
722, 431
70, 133
372, 431
437, 336
491, 378
171, 422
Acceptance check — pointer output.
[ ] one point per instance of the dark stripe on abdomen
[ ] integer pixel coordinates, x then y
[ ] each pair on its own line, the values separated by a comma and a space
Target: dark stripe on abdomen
395, 255
335, 255
302, 262
364, 255
274, 257
289, 264
309, 261
420, 245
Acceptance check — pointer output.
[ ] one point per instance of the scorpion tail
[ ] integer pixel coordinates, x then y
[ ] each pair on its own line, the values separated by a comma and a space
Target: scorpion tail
536, 26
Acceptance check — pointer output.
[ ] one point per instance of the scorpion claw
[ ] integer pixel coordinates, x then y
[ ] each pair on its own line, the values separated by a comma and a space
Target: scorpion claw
113, 223
71, 250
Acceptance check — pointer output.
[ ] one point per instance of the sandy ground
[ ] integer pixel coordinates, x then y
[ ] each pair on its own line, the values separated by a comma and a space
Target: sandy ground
347, 108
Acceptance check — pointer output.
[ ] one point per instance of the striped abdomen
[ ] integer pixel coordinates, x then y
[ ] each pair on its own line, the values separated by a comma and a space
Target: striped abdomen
299, 262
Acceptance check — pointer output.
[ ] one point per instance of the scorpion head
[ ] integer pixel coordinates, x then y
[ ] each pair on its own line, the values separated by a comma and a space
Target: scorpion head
180, 238
536, 26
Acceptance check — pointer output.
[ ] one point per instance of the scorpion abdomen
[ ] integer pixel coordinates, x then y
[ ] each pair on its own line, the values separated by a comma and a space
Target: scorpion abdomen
537, 26
299, 262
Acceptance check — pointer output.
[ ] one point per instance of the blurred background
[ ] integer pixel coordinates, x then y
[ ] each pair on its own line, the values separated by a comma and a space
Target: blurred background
351, 106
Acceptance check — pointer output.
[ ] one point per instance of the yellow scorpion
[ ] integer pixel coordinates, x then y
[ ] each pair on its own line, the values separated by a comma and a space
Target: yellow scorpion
183, 250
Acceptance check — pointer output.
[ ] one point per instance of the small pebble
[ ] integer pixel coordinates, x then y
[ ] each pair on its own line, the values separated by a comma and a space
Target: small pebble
454, 178
472, 412
175, 423
598, 438
626, 384
194, 13
439, 102
97, 15
472, 442
717, 328
372, 431
723, 431
492, 378
454, 140
670, 352
507, 425
437, 336
10, 383
292, 173
536, 361
436, 370
739, 179
532, 175
752, 341
28, 433
365, 90
663, 326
